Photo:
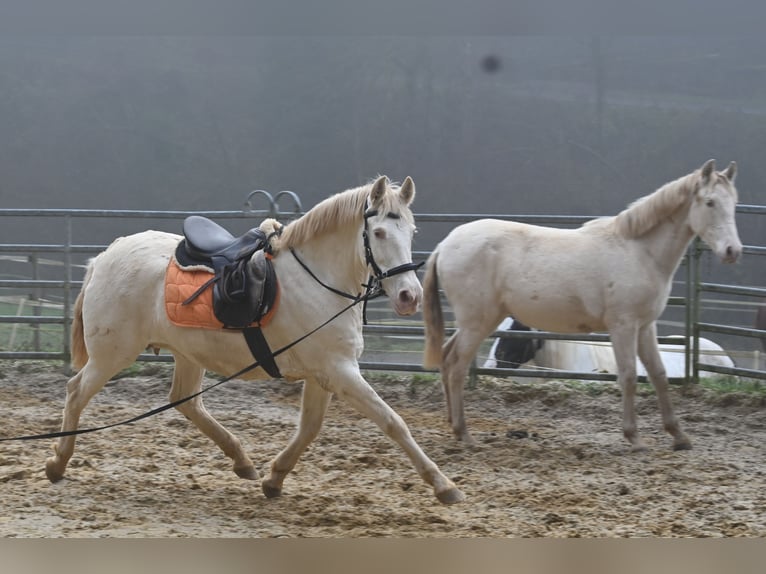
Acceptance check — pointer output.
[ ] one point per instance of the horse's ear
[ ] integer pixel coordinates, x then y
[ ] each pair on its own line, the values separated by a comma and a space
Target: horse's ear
378, 190
731, 171
407, 191
707, 170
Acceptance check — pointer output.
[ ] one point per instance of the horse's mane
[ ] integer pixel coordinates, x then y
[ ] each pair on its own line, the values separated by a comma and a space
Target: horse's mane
646, 212
336, 211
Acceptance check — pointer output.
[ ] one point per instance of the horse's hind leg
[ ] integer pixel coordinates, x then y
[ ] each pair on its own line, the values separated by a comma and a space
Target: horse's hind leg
351, 386
458, 353
649, 354
80, 390
624, 347
313, 408
187, 380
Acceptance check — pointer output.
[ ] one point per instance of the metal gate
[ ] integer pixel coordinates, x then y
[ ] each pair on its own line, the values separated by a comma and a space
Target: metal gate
39, 279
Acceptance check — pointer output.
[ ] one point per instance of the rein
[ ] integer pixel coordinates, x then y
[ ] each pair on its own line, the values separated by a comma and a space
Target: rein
373, 289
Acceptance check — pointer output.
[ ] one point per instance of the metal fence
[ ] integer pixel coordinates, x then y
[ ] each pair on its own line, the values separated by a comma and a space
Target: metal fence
39, 281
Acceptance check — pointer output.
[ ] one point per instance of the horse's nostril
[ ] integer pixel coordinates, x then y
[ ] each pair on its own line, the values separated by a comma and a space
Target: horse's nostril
733, 253
406, 297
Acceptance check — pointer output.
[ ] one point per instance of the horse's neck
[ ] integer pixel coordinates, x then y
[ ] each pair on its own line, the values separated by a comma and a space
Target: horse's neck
336, 258
667, 242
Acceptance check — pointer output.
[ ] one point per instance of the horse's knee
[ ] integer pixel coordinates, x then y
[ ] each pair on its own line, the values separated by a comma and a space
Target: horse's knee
628, 378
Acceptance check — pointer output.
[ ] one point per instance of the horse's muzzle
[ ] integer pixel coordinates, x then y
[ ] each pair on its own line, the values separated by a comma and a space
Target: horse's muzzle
406, 302
732, 253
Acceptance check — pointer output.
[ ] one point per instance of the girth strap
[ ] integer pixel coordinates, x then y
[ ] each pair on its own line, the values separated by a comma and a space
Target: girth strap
261, 351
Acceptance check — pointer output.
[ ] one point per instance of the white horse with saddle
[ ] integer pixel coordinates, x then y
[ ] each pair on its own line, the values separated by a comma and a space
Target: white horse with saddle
611, 274
322, 262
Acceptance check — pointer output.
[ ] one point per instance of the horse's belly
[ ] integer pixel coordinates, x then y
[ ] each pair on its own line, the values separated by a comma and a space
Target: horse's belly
571, 318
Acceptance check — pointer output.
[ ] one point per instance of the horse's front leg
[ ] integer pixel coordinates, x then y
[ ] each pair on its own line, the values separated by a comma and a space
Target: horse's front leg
649, 354
314, 404
187, 380
351, 386
624, 343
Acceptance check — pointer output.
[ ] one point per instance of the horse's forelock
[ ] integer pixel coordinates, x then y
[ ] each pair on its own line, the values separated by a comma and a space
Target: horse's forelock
728, 185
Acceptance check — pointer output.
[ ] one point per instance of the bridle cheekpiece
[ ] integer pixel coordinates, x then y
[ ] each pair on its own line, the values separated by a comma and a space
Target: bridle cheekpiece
374, 284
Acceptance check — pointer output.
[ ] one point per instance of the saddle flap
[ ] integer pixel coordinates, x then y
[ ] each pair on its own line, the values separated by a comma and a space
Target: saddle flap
244, 292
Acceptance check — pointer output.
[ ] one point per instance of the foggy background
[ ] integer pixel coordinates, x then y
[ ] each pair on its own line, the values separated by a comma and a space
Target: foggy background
545, 125
484, 125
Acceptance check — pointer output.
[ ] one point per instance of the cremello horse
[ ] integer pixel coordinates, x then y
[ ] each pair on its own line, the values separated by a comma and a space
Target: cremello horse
611, 274
120, 311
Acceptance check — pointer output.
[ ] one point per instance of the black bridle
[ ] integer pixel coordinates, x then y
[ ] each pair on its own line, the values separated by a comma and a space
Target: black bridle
374, 286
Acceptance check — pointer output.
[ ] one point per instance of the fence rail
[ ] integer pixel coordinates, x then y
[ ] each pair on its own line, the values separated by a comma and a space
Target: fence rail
68, 257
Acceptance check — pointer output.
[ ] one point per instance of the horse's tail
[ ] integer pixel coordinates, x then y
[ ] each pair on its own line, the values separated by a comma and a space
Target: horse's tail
433, 319
77, 341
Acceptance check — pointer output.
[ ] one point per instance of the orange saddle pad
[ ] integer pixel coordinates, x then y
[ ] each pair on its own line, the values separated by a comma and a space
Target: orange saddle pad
180, 284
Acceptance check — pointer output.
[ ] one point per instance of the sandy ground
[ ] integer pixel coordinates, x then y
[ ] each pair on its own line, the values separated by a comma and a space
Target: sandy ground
551, 462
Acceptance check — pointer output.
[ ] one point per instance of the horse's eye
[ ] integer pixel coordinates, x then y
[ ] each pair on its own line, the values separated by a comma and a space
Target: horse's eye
380, 233
710, 203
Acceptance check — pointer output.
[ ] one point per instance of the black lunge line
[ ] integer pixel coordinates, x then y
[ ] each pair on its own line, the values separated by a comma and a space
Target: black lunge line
168, 406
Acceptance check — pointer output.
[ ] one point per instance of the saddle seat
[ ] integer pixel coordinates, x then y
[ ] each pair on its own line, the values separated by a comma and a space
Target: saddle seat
207, 243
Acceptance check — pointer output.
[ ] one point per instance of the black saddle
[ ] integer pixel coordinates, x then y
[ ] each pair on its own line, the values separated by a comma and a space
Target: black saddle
244, 282
207, 243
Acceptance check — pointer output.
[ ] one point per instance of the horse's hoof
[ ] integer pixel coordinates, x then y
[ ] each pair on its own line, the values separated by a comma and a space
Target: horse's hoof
467, 439
271, 491
247, 472
450, 496
639, 447
53, 474
684, 444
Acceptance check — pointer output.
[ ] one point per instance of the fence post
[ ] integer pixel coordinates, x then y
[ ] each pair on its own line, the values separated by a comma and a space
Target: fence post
67, 288
695, 302
688, 313
473, 378
35, 297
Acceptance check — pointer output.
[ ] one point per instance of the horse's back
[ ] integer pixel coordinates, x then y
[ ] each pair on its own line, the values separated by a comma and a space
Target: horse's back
548, 278
133, 258
127, 278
